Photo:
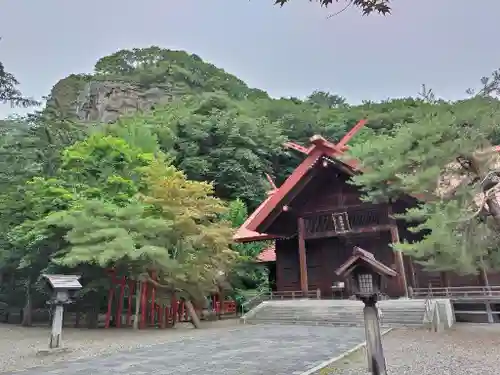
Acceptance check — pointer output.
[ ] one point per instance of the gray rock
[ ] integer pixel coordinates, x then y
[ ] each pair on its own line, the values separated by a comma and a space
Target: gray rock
106, 101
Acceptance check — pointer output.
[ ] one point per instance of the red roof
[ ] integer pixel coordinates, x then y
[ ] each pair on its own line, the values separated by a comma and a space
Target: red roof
267, 255
244, 234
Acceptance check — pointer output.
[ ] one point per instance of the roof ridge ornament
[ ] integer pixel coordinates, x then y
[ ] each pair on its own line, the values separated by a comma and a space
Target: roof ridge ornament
319, 141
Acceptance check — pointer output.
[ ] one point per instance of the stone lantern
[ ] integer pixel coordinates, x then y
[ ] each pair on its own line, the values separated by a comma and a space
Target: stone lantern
61, 286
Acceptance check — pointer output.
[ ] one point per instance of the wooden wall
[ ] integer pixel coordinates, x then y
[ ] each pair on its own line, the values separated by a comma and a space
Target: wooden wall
324, 256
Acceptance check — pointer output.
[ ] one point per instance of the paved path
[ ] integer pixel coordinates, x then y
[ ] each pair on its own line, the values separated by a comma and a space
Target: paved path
242, 350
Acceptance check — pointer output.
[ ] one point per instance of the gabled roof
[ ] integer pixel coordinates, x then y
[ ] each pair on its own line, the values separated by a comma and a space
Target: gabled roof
366, 257
319, 147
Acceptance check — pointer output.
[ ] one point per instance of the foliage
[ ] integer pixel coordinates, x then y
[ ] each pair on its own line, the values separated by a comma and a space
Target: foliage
246, 274
454, 238
366, 6
112, 205
9, 93
177, 71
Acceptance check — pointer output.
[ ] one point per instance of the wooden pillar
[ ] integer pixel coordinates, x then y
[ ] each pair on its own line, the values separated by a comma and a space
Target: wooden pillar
398, 254
304, 286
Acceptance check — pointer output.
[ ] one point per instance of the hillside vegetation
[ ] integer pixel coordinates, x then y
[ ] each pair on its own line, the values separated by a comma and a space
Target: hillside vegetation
164, 188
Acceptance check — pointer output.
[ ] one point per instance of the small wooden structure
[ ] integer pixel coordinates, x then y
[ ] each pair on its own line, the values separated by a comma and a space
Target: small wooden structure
316, 217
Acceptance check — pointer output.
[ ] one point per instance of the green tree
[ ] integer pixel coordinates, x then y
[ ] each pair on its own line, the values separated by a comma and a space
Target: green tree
246, 274
326, 99
443, 157
9, 93
111, 204
172, 228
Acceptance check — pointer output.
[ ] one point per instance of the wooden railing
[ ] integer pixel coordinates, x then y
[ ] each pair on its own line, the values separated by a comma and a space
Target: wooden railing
295, 295
469, 292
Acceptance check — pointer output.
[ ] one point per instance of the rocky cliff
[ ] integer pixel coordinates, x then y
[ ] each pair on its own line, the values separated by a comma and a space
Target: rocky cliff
105, 101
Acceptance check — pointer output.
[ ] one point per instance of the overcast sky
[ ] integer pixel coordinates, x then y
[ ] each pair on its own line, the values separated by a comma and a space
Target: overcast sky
447, 44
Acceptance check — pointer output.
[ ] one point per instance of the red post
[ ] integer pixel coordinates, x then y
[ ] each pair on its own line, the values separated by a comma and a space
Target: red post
131, 288
174, 308
120, 303
153, 299
144, 299
110, 305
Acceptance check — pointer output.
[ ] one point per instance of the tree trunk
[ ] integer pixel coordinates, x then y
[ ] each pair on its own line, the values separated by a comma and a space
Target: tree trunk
138, 295
92, 317
27, 310
494, 208
195, 319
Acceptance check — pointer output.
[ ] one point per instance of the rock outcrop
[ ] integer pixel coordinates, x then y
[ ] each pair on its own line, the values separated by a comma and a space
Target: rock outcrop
106, 101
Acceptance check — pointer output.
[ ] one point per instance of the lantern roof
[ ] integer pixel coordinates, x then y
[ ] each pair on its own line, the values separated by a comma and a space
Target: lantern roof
362, 257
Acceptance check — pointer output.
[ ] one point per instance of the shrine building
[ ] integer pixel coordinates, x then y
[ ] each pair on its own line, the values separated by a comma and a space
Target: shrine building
316, 218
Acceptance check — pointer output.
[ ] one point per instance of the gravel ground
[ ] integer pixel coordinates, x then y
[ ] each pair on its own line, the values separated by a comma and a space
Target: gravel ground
229, 350
19, 345
467, 349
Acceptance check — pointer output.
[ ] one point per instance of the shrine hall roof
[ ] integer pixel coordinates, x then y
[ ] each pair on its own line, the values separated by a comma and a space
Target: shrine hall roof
320, 147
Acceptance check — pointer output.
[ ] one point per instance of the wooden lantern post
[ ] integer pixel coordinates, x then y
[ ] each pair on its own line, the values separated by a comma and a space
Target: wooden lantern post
366, 275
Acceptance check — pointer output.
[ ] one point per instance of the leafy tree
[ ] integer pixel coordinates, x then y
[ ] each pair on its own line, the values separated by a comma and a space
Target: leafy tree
247, 274
366, 6
113, 205
9, 93
326, 99
28, 148
173, 229
215, 138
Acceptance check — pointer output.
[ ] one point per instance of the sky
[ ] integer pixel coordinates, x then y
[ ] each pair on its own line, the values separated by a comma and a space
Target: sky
447, 44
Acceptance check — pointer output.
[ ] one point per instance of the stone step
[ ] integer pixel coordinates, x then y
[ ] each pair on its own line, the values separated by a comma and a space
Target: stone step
341, 316
338, 313
347, 311
357, 319
331, 323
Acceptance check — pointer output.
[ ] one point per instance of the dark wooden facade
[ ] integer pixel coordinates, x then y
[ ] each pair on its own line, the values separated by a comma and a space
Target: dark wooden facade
335, 220
317, 217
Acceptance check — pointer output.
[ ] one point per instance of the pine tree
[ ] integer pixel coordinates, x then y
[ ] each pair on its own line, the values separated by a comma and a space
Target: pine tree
442, 156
